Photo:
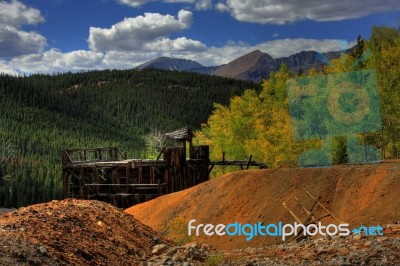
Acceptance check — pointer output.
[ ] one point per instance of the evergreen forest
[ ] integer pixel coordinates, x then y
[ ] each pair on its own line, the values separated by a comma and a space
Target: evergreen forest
42, 114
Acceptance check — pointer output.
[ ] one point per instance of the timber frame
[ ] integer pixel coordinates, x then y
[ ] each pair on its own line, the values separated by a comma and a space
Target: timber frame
106, 174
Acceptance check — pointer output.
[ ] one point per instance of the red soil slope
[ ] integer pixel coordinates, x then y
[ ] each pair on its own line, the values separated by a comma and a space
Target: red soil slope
74, 232
356, 194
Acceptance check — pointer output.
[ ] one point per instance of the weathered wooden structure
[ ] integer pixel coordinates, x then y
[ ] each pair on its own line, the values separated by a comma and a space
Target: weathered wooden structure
106, 174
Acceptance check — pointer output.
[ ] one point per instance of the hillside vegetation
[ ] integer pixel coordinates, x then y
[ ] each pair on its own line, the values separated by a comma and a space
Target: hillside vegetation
259, 124
41, 114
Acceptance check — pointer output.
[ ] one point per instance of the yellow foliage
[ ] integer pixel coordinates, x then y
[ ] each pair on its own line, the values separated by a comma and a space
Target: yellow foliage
252, 124
258, 124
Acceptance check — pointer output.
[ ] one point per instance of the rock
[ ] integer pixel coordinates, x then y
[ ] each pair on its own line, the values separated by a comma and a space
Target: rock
373, 254
166, 260
156, 240
171, 252
82, 253
305, 254
191, 245
159, 249
332, 250
368, 244
206, 246
343, 250
100, 223
42, 250
350, 250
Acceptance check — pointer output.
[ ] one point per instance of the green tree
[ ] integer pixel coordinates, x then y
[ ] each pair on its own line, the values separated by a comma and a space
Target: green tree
255, 124
155, 142
385, 46
6, 179
340, 155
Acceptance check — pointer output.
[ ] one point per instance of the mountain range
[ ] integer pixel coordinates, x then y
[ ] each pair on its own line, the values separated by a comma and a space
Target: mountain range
253, 66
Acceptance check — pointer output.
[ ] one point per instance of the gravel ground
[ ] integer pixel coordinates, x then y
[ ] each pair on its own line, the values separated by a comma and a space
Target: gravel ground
350, 250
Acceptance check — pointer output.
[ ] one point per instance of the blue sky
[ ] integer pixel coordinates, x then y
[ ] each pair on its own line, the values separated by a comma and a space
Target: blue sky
70, 35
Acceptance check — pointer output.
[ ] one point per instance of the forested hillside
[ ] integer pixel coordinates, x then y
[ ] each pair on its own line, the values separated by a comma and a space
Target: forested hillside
259, 123
41, 114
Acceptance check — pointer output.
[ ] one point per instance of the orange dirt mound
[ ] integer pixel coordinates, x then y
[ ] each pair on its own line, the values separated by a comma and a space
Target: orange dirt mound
356, 194
74, 232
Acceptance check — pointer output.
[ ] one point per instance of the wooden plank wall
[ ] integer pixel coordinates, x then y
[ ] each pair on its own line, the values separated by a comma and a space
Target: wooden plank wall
113, 180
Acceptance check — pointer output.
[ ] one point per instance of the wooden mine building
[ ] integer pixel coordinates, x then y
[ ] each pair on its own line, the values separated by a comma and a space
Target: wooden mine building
106, 174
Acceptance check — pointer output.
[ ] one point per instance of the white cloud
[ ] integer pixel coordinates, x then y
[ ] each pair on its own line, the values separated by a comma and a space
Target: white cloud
179, 44
281, 12
179, 1
82, 59
203, 4
210, 56
222, 7
126, 60
134, 41
134, 3
16, 13
5, 68
285, 47
198, 4
138, 32
54, 60
14, 42
276, 48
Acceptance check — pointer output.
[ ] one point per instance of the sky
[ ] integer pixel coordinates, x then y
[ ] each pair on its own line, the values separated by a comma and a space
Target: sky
52, 36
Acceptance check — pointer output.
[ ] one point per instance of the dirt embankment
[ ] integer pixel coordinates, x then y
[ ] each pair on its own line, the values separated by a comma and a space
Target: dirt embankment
74, 232
355, 194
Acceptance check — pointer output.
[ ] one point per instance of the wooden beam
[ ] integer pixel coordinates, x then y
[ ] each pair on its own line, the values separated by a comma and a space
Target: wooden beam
248, 163
161, 153
292, 213
323, 207
210, 169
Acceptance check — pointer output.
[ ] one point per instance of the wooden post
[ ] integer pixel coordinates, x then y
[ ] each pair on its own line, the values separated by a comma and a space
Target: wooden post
166, 178
309, 213
81, 182
140, 176
223, 162
248, 163
292, 214
65, 183
161, 153
151, 177
128, 172
190, 148
323, 207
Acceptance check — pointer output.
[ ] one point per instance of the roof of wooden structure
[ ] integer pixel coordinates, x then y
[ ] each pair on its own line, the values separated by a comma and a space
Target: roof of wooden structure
181, 134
